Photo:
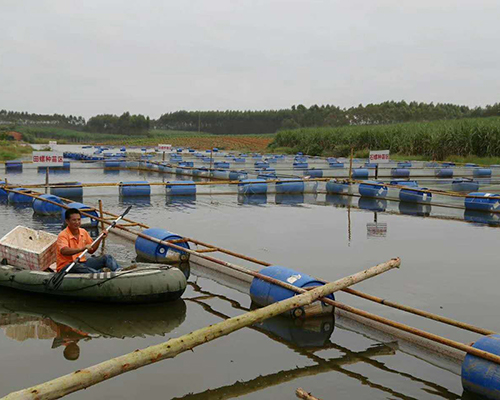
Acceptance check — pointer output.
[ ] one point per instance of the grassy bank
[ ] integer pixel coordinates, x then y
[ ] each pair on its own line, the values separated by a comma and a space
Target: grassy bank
202, 140
10, 150
474, 137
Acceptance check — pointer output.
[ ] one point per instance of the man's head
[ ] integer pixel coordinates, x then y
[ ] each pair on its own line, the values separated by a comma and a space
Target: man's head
71, 352
73, 218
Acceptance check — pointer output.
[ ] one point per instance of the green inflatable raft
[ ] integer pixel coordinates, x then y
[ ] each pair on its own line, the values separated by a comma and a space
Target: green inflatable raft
143, 284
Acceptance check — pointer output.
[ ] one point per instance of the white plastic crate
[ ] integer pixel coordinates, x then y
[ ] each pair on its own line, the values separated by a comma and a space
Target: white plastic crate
29, 249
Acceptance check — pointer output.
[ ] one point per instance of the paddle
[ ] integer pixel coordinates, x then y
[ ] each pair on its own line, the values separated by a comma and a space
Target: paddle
57, 278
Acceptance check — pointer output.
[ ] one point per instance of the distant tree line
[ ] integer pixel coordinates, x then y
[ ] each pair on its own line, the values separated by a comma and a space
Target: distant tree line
267, 121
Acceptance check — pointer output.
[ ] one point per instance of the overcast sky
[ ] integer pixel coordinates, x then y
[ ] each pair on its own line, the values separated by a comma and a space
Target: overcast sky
151, 57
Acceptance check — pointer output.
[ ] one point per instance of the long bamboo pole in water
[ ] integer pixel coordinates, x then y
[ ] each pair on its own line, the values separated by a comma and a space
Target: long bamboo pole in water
84, 378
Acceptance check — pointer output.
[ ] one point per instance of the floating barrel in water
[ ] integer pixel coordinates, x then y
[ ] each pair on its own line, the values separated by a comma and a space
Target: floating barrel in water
400, 172
464, 185
186, 164
482, 172
86, 221
200, 172
264, 293
261, 164
404, 164
300, 165
18, 197
252, 186
481, 376
112, 164
481, 201
220, 174
444, 173
371, 165
431, 164
239, 160
289, 185
336, 164
336, 187
469, 165
237, 175
13, 166
155, 252
132, 189
448, 164
415, 196
221, 164
188, 189
401, 182
360, 173
73, 192
372, 204
373, 189
3, 192
44, 208
314, 173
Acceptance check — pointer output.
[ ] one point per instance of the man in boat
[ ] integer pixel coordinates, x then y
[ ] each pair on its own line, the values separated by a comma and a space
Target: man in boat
73, 240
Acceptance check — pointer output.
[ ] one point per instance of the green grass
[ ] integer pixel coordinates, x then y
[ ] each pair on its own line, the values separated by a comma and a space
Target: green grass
479, 137
10, 150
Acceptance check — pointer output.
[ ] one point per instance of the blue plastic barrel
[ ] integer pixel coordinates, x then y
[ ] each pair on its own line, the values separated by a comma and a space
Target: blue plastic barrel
264, 293
237, 175
404, 164
333, 186
289, 185
415, 196
221, 164
481, 376
112, 164
314, 173
400, 172
360, 173
132, 189
261, 164
401, 182
370, 165
336, 164
155, 252
431, 164
373, 189
464, 185
448, 164
186, 164
444, 173
470, 165
83, 208
73, 192
252, 186
3, 192
13, 166
18, 197
482, 172
220, 174
43, 208
267, 176
481, 201
239, 160
300, 165
188, 189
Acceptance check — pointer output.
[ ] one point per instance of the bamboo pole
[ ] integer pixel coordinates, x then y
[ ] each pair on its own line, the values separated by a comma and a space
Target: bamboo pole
350, 164
90, 376
302, 394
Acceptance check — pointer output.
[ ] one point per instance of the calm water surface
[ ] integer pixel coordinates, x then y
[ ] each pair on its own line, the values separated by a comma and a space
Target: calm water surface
448, 267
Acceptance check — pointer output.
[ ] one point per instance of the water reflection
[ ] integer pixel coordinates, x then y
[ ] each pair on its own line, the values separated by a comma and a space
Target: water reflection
338, 200
26, 316
290, 199
138, 201
482, 218
420, 210
187, 201
252, 199
367, 203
